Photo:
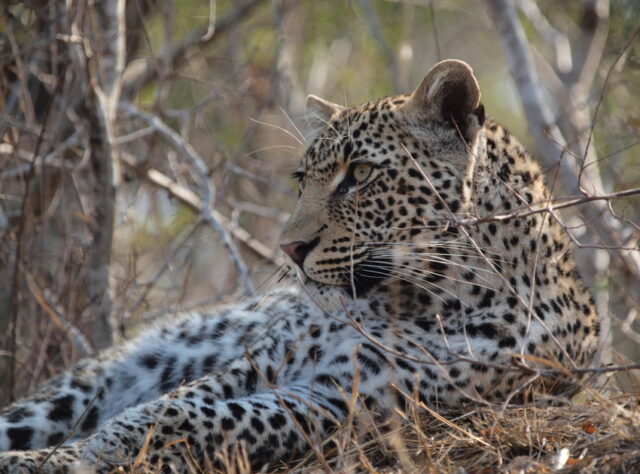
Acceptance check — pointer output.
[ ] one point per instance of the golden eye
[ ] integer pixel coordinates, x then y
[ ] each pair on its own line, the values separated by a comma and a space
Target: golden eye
361, 172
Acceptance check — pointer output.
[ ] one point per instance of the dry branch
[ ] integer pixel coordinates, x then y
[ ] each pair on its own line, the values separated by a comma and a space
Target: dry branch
171, 58
577, 174
191, 200
208, 193
105, 34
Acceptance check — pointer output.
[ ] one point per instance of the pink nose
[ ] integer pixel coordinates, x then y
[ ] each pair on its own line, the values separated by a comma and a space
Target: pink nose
297, 250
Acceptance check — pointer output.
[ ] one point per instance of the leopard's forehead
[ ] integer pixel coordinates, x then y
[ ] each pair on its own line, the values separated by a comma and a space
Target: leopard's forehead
358, 133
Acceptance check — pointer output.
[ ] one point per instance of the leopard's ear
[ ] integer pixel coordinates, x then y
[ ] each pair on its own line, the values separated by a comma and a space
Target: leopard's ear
450, 93
319, 113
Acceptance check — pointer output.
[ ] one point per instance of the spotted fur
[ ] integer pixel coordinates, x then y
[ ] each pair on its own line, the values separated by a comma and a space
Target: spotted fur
408, 283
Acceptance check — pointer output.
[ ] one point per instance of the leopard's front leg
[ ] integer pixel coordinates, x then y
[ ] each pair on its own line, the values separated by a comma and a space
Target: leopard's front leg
198, 419
77, 402
176, 433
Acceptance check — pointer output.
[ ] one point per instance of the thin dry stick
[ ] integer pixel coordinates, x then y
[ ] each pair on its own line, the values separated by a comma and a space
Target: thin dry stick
206, 207
558, 203
9, 298
173, 56
69, 434
188, 197
548, 137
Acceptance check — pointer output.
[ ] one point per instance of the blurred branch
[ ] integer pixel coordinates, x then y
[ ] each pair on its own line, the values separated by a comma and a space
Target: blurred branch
9, 297
211, 27
434, 27
573, 175
50, 159
136, 76
594, 29
104, 35
373, 23
191, 200
149, 284
289, 18
80, 343
206, 206
556, 39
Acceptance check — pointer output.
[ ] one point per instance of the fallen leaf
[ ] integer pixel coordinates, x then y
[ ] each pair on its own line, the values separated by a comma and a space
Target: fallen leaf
588, 427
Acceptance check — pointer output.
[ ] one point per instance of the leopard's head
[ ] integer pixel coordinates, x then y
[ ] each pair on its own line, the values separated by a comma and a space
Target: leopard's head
380, 180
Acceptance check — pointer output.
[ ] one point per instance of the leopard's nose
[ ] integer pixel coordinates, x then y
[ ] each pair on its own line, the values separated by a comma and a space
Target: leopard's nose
299, 250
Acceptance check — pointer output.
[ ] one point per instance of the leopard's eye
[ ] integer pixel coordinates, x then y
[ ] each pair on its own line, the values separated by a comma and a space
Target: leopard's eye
361, 172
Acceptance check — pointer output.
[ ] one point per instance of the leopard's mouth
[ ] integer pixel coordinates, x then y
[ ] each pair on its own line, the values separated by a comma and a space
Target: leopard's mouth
359, 278
368, 274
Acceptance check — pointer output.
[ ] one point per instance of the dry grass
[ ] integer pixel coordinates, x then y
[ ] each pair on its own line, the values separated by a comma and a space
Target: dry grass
602, 435
592, 437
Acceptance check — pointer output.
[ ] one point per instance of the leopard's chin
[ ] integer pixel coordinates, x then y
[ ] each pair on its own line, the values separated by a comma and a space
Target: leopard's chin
326, 297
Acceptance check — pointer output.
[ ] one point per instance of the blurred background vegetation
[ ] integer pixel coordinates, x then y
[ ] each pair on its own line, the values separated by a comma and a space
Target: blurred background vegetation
229, 78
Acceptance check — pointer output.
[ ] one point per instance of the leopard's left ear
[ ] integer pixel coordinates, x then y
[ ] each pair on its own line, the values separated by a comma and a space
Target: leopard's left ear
319, 113
450, 93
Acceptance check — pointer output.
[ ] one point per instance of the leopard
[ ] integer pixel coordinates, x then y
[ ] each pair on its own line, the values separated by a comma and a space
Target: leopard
424, 270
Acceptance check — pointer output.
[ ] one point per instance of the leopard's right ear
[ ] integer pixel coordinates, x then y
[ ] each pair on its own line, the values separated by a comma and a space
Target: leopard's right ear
319, 113
450, 93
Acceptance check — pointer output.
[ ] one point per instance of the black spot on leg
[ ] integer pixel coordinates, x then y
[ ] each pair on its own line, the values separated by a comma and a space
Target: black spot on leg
507, 342
227, 391
302, 422
209, 363
62, 408
54, 439
18, 414
257, 425
339, 404
20, 438
251, 380
247, 437
277, 421
149, 361
167, 376
228, 424
236, 410
91, 420
186, 426
488, 330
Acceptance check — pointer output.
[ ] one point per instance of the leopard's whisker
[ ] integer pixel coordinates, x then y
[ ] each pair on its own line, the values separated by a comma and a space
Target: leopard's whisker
470, 269
277, 127
395, 272
392, 253
292, 123
434, 257
294, 150
370, 272
426, 257
456, 246
416, 273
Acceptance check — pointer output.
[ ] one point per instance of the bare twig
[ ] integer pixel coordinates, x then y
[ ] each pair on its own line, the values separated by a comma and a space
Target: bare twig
205, 186
556, 39
79, 341
105, 34
559, 203
189, 198
553, 145
373, 23
137, 77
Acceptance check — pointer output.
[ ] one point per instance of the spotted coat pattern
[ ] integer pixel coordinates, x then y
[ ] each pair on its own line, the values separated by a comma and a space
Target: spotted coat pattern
409, 283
